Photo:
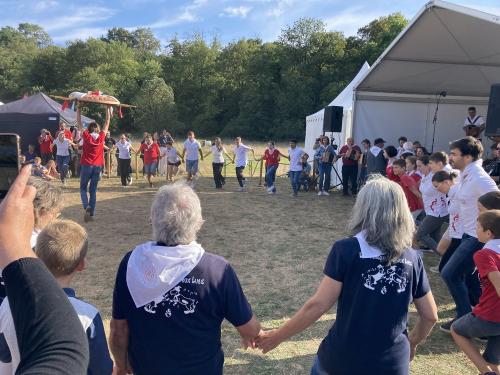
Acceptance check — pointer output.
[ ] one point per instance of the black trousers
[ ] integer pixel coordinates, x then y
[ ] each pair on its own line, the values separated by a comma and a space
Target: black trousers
124, 169
350, 173
239, 175
218, 177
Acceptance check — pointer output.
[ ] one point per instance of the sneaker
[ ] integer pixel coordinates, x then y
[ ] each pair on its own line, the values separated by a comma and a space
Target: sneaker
130, 181
270, 192
446, 327
434, 269
88, 215
320, 192
325, 193
242, 189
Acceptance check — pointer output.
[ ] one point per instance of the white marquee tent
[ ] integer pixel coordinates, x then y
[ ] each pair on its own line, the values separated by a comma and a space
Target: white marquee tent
446, 47
314, 122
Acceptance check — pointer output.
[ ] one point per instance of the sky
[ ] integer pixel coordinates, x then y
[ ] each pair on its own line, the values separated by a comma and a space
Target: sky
228, 20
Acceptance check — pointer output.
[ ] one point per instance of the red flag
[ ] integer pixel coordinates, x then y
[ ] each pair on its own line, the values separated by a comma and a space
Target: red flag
95, 93
65, 105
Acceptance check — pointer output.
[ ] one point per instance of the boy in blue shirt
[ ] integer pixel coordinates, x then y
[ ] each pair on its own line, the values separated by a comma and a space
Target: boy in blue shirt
62, 246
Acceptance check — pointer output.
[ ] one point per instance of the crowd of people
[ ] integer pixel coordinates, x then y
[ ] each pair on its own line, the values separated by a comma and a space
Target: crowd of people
171, 295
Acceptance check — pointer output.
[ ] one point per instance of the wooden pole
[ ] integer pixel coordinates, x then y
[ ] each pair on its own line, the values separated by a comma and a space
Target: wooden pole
108, 157
136, 167
260, 173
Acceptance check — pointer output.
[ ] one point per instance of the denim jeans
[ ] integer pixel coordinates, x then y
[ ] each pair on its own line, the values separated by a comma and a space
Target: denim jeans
325, 171
62, 166
455, 272
92, 174
294, 179
317, 369
363, 174
271, 175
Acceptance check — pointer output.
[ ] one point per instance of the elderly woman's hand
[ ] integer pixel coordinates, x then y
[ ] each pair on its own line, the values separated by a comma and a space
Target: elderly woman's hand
268, 340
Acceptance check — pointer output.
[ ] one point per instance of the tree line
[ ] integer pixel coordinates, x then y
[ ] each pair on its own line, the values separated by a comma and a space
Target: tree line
261, 90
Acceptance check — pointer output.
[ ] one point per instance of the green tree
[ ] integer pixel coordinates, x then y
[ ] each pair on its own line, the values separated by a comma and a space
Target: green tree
155, 106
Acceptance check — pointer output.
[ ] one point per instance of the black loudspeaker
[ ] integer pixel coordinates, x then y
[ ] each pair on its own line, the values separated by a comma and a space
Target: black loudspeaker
332, 119
493, 119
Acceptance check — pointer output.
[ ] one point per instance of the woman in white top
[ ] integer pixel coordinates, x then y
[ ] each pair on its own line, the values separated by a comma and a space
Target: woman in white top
171, 158
429, 231
124, 147
62, 155
444, 182
218, 151
240, 160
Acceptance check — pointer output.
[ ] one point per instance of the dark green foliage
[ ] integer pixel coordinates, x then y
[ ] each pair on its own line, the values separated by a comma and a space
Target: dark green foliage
249, 88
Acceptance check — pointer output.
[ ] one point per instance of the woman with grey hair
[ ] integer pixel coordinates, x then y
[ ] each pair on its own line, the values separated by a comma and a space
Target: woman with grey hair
373, 276
171, 296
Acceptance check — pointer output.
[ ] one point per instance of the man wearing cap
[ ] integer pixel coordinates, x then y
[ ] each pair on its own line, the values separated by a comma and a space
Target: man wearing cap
375, 160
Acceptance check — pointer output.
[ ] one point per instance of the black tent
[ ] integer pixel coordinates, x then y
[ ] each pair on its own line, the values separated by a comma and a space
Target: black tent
28, 116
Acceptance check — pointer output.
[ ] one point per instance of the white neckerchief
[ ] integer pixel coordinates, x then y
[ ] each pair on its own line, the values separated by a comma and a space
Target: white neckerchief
94, 136
493, 245
375, 150
154, 270
367, 251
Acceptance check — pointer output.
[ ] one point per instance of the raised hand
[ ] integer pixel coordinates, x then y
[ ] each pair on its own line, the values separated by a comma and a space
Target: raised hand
268, 340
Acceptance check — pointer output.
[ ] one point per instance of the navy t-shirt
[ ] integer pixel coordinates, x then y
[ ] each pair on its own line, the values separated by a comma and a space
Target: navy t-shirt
370, 332
180, 333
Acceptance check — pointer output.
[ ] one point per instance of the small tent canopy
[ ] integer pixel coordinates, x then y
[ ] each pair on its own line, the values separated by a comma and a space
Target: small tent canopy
314, 122
445, 48
28, 116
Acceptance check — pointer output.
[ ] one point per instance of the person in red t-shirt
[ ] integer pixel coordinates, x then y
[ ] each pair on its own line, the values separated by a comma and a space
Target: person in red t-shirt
92, 161
390, 153
272, 158
484, 321
45, 141
411, 168
409, 186
151, 152
350, 154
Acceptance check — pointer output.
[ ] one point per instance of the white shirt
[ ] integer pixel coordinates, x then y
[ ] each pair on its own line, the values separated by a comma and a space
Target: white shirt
218, 155
241, 154
474, 182
192, 149
123, 149
455, 229
295, 159
435, 203
62, 147
170, 154
475, 121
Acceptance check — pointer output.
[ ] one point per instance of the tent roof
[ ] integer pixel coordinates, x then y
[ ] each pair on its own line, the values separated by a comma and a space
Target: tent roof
344, 99
446, 47
41, 104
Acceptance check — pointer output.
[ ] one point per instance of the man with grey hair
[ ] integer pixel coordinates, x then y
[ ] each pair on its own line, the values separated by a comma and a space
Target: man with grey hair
171, 296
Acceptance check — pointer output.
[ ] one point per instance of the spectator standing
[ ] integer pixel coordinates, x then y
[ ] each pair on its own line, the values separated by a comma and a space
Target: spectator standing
109, 144
64, 129
355, 277
401, 141
305, 175
45, 142
325, 155
173, 325
474, 182
91, 161
350, 154
375, 160
390, 154
365, 144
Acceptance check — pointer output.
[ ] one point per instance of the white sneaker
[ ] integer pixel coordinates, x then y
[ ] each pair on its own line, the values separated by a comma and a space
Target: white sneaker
269, 188
320, 192
325, 193
270, 192
242, 189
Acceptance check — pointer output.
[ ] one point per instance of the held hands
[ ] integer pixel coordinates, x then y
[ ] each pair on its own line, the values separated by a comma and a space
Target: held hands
265, 341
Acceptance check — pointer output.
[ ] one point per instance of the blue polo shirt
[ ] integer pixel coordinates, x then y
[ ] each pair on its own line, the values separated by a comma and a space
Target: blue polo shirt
369, 335
180, 332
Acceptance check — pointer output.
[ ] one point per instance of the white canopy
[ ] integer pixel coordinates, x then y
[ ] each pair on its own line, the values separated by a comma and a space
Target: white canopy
445, 48
314, 122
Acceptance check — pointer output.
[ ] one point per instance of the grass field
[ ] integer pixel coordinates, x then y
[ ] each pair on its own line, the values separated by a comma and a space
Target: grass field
278, 246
